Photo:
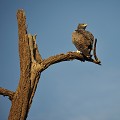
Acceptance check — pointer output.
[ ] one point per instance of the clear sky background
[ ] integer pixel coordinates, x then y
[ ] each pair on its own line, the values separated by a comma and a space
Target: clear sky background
69, 90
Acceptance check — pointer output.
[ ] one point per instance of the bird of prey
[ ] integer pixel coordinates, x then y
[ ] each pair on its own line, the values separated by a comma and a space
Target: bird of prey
83, 40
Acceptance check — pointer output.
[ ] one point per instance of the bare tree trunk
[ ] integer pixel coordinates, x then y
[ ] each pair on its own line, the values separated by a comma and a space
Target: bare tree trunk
29, 77
31, 66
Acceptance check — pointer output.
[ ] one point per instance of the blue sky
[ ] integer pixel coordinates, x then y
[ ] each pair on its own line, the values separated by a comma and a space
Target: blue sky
68, 90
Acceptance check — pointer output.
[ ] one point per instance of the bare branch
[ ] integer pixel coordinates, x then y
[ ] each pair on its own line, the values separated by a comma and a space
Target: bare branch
64, 57
6, 92
94, 53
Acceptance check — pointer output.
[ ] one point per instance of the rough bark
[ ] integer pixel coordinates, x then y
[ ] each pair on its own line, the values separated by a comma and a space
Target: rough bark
31, 66
69, 56
29, 76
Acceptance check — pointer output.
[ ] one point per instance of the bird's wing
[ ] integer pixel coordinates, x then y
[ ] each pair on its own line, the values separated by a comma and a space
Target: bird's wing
89, 39
88, 35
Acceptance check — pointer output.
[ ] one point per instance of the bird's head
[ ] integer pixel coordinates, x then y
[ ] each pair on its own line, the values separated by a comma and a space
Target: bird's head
81, 26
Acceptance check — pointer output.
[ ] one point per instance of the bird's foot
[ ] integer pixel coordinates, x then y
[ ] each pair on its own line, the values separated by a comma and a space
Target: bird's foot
78, 51
87, 57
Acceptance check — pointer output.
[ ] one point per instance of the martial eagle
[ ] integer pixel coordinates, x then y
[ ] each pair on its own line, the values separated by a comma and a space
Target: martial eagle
83, 40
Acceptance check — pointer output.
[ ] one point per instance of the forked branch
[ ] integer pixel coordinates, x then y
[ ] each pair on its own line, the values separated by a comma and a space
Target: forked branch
64, 57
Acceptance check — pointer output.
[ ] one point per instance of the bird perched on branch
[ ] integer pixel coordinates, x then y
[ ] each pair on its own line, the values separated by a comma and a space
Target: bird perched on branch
83, 40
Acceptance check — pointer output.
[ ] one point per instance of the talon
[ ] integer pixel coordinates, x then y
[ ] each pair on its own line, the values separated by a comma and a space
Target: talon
78, 51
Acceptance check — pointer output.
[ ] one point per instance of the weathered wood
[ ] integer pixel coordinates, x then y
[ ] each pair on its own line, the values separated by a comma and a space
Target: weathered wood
64, 57
29, 76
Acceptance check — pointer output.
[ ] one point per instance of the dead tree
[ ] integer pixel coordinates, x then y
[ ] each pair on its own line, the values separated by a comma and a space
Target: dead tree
31, 66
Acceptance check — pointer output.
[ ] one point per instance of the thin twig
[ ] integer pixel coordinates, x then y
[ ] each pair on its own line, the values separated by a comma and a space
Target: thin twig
94, 53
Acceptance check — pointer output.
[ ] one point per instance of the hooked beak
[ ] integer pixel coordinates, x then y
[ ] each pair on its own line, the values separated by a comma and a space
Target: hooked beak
85, 25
